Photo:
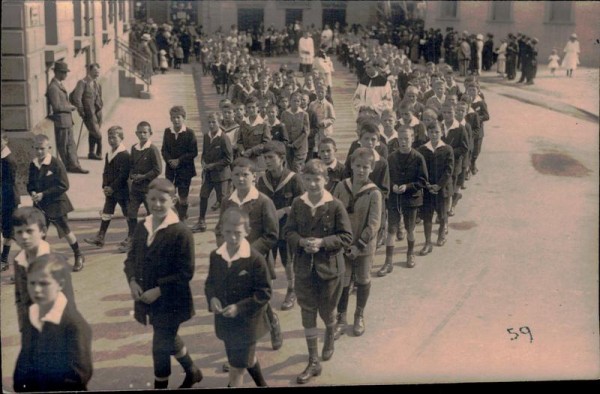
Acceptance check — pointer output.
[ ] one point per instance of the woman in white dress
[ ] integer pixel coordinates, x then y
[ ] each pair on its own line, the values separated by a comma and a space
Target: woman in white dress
571, 59
501, 61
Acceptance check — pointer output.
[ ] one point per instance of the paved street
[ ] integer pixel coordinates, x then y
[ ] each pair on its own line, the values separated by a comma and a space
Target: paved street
521, 256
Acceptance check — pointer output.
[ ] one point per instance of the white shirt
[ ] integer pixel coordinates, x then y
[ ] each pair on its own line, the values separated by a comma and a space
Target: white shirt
327, 197
111, 155
21, 257
176, 133
333, 164
439, 145
139, 147
388, 139
45, 162
252, 195
53, 316
258, 120
218, 134
5, 152
243, 252
171, 218
454, 125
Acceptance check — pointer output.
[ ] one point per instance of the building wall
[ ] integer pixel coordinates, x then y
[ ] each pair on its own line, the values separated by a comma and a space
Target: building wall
530, 18
35, 34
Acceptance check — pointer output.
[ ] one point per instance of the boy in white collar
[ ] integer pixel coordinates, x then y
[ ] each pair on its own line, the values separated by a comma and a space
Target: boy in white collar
114, 183
159, 267
238, 291
48, 184
29, 233
364, 205
253, 135
56, 342
146, 165
264, 226
297, 124
439, 159
318, 232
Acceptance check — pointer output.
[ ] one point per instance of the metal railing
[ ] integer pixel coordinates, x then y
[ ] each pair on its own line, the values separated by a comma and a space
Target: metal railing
135, 61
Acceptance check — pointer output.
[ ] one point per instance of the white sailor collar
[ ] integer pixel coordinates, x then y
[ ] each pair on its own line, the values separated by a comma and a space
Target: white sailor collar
21, 257
219, 133
439, 145
45, 162
243, 252
327, 197
5, 152
333, 164
111, 155
454, 125
388, 139
171, 218
476, 99
274, 123
176, 133
53, 316
413, 121
252, 195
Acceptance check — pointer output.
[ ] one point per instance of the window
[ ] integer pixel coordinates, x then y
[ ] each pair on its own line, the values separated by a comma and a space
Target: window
448, 9
559, 12
250, 18
501, 11
104, 16
292, 15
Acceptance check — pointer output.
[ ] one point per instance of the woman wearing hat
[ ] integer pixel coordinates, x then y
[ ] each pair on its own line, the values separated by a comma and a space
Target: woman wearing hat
571, 59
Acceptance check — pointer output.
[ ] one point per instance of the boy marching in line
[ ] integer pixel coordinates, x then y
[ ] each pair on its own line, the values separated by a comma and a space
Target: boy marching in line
389, 136
29, 232
318, 232
364, 205
47, 185
335, 169
56, 341
10, 198
322, 117
238, 291
408, 118
478, 104
179, 149
282, 186
297, 124
217, 155
159, 268
253, 135
278, 131
114, 182
455, 135
264, 226
408, 176
439, 159
146, 165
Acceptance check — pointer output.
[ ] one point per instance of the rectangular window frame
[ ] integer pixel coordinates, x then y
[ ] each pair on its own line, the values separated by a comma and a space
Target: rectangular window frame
491, 13
442, 16
548, 13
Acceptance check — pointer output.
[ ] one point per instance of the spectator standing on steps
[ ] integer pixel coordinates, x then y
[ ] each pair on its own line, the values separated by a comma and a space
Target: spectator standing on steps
63, 119
88, 100
306, 50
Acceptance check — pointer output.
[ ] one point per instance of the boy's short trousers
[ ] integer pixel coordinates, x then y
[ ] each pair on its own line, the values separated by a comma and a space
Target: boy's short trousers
110, 203
61, 223
241, 357
360, 267
6, 218
221, 188
136, 198
317, 295
434, 202
179, 181
409, 214
282, 248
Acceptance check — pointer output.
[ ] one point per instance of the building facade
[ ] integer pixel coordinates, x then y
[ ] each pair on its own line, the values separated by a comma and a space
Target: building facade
35, 34
552, 22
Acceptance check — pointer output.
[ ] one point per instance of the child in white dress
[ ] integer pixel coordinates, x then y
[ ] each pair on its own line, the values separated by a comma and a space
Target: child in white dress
553, 61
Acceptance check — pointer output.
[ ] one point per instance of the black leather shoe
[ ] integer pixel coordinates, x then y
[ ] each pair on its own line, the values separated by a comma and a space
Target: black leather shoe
79, 260
328, 346
426, 250
225, 367
191, 378
441, 240
93, 156
385, 269
78, 170
410, 260
359, 324
289, 301
312, 369
451, 211
340, 326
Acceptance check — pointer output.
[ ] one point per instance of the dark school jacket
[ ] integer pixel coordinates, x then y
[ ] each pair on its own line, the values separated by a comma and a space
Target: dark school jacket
184, 148
146, 162
245, 284
440, 164
458, 139
51, 180
167, 263
282, 194
59, 358
116, 173
481, 108
335, 175
331, 223
10, 195
219, 153
407, 169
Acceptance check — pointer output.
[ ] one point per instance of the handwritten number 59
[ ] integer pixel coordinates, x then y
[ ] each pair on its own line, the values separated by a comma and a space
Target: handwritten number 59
523, 330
